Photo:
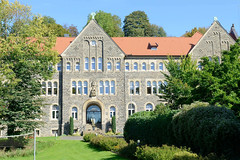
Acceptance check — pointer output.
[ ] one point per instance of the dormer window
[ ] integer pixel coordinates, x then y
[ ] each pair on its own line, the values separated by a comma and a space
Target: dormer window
152, 46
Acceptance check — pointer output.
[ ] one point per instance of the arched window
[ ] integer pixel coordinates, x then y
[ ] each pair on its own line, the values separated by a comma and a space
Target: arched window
109, 66
59, 66
74, 113
131, 109
100, 63
135, 66
152, 66
149, 88
80, 87
159, 87
112, 111
149, 107
55, 112
127, 66
144, 68
43, 88
85, 87
107, 87
161, 66
154, 87
74, 87
49, 88
199, 66
93, 64
77, 66
68, 66
131, 87
55, 88
101, 87
86, 64
113, 87
118, 66
137, 89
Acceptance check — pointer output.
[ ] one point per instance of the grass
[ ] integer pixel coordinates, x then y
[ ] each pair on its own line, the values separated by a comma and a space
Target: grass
67, 150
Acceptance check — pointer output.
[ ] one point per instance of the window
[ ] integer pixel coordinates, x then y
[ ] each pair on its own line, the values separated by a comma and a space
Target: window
137, 90
86, 64
80, 87
199, 66
144, 66
55, 112
101, 87
59, 66
210, 58
68, 66
112, 87
161, 66
135, 66
112, 111
74, 87
77, 66
85, 87
154, 87
159, 87
74, 113
55, 88
107, 90
109, 66
154, 48
149, 88
49, 88
100, 63
219, 61
118, 66
93, 64
131, 87
55, 132
152, 66
131, 109
127, 66
149, 107
43, 88
93, 43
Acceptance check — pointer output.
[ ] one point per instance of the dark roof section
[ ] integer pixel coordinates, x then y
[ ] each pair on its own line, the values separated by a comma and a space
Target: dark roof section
233, 33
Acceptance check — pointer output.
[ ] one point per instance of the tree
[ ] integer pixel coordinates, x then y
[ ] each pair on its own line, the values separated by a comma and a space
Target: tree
157, 31
194, 30
114, 124
71, 126
72, 30
137, 24
111, 24
25, 62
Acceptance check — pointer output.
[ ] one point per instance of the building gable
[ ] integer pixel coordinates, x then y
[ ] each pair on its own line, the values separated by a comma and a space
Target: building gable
212, 43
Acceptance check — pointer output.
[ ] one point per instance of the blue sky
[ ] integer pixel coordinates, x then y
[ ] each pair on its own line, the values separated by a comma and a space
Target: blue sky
175, 16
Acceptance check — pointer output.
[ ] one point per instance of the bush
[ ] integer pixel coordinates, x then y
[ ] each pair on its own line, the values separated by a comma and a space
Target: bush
164, 152
71, 126
155, 129
208, 130
87, 137
129, 150
108, 143
114, 124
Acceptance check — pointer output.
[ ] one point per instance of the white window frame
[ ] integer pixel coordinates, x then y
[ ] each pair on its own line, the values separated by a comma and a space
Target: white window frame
55, 112
135, 66
55, 88
77, 67
75, 113
144, 66
93, 67
127, 66
68, 67
152, 66
112, 111
109, 66
86, 64
118, 66
100, 63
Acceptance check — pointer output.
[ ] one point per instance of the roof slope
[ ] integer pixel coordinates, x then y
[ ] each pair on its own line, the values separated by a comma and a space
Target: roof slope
139, 46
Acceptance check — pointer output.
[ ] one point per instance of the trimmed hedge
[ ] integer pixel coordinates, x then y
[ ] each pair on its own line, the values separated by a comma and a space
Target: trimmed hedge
155, 129
114, 124
71, 126
208, 129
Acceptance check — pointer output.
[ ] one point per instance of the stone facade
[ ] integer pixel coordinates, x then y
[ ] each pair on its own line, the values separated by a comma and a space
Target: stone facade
93, 43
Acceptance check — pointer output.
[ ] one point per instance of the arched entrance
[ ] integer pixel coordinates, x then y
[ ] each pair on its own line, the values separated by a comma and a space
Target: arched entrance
94, 114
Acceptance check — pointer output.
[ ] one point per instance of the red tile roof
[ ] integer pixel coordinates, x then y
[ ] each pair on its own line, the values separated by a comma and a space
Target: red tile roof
139, 46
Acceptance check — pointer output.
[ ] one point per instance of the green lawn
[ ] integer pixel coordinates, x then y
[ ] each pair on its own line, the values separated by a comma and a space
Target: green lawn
69, 150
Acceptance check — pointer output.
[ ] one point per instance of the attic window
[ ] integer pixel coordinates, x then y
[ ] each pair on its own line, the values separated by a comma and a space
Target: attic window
152, 46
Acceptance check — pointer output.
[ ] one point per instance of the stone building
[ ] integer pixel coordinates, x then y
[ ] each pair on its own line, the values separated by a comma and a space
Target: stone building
101, 76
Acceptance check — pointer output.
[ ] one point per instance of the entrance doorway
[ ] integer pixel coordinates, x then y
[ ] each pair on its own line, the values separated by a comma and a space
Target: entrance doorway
94, 114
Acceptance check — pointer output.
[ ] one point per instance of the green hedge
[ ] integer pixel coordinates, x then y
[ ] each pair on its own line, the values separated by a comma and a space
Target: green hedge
71, 126
155, 129
208, 129
87, 137
114, 124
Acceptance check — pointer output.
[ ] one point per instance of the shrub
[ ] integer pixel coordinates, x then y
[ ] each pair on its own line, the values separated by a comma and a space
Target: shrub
208, 129
164, 152
114, 124
71, 126
155, 129
108, 143
129, 150
87, 137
